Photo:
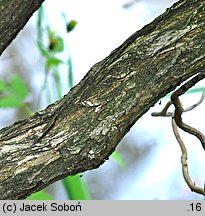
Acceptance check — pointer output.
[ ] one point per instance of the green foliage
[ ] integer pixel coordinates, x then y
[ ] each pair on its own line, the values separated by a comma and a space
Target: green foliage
70, 73
56, 42
51, 46
53, 62
41, 195
118, 158
19, 87
3, 86
13, 94
76, 187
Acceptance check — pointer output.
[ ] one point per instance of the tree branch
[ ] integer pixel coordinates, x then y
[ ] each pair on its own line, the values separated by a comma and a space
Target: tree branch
14, 14
80, 131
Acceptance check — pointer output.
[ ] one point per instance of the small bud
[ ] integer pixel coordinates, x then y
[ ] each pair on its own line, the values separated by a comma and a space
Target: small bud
71, 25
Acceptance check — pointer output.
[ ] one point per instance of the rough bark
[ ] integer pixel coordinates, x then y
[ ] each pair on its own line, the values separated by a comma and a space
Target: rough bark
14, 14
80, 131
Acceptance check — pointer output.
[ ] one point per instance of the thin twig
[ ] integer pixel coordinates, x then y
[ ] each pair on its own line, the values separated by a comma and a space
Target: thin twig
179, 109
164, 111
185, 169
177, 122
196, 104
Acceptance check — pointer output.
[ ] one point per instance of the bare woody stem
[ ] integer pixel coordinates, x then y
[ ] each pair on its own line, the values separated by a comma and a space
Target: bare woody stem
80, 131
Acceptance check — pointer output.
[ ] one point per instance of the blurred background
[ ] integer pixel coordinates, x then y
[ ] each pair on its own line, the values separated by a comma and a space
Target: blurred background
54, 51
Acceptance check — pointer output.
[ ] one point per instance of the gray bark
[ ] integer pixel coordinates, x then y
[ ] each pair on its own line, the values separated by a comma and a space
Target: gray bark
80, 131
14, 14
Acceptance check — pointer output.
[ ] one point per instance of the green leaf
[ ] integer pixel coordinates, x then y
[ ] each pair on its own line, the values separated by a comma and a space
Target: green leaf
19, 87
53, 62
3, 86
59, 46
41, 195
117, 157
10, 101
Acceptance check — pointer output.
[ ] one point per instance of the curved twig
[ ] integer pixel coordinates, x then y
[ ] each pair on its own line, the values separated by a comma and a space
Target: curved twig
196, 104
185, 169
179, 109
177, 122
165, 113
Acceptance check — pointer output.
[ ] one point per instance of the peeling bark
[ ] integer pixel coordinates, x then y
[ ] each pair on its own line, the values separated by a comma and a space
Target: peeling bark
80, 131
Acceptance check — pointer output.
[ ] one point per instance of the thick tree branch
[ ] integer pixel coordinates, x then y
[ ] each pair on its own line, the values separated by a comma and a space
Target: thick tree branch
14, 14
80, 131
